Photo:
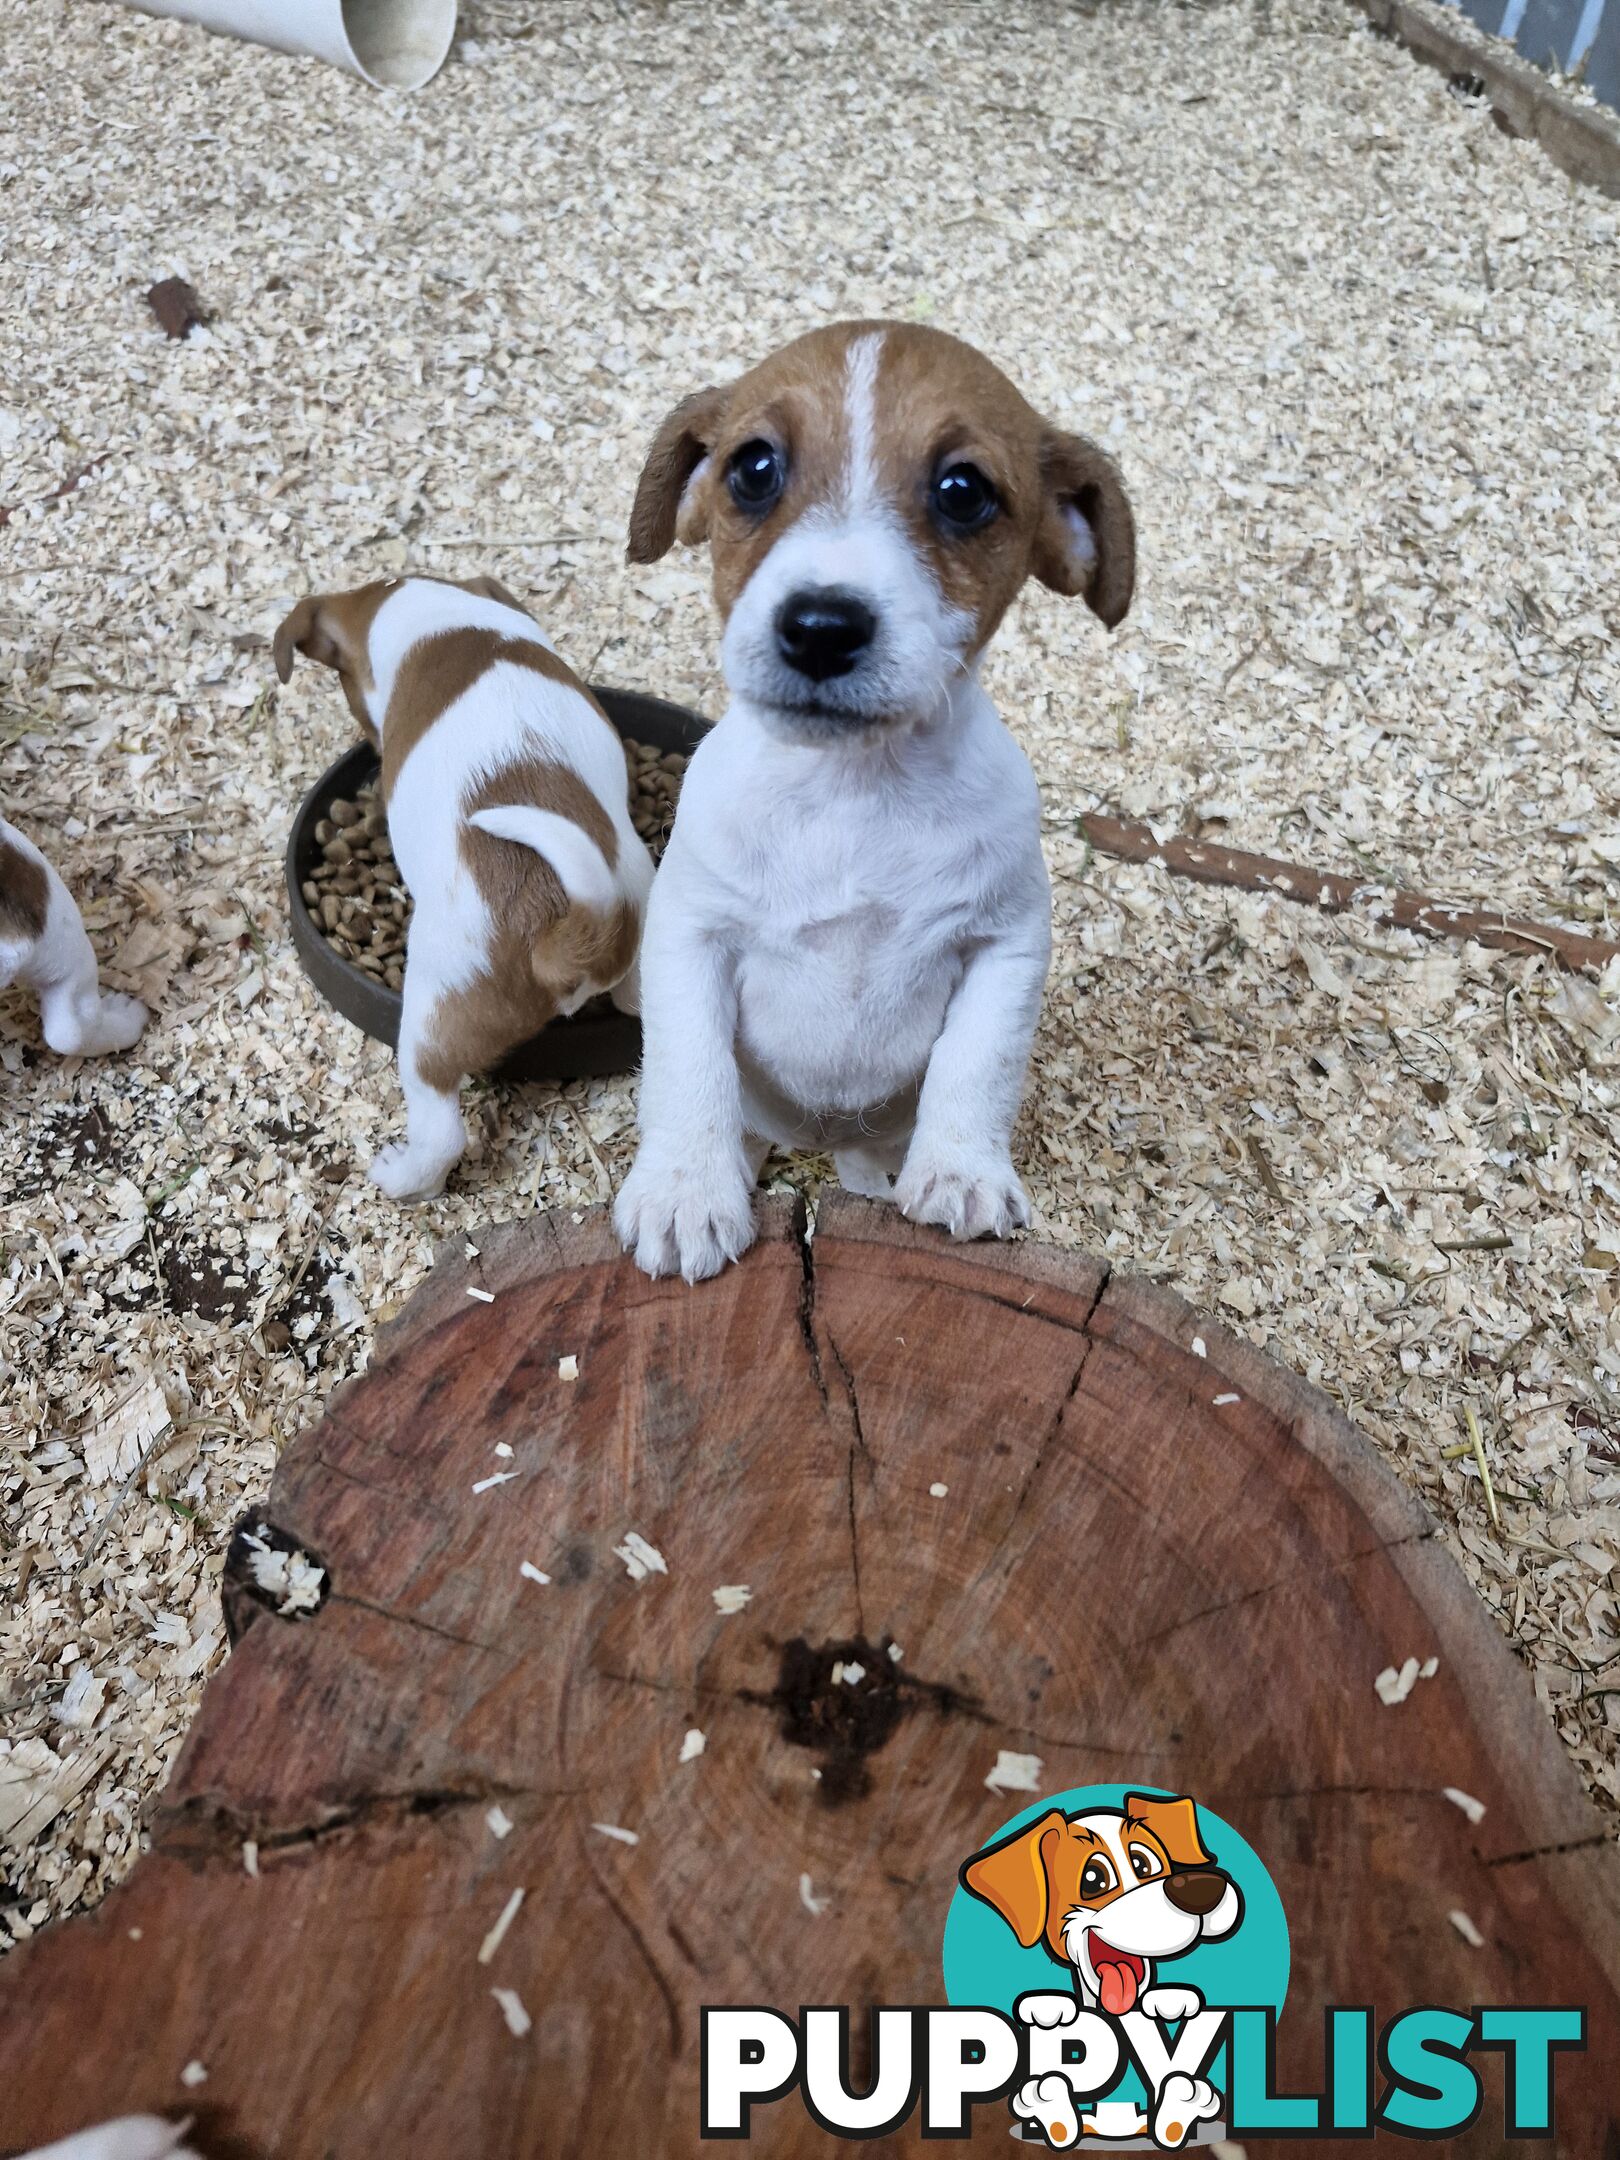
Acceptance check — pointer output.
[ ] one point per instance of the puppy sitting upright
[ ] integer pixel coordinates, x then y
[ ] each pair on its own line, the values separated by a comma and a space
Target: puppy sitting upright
508, 810
850, 931
43, 945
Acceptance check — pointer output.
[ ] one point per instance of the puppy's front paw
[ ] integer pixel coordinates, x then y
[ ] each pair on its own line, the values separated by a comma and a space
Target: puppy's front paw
1171, 2004
686, 1222
119, 1021
971, 1196
1047, 2011
1049, 2101
93, 1027
406, 1173
1181, 2104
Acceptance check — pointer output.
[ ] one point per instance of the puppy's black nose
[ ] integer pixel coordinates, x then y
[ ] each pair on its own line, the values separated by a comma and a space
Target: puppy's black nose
1197, 1890
823, 634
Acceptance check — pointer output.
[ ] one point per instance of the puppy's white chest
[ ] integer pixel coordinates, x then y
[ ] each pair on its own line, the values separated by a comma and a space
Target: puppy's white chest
842, 995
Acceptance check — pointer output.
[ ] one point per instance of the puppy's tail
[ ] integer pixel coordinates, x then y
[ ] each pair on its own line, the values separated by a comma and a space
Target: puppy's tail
579, 863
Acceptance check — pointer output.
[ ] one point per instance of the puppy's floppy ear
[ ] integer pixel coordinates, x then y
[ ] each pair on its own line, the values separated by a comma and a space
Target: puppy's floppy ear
1012, 1877
1174, 1823
491, 588
666, 505
292, 635
1086, 541
313, 629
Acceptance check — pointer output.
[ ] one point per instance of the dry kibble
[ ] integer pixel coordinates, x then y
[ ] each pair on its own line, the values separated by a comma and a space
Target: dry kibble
354, 886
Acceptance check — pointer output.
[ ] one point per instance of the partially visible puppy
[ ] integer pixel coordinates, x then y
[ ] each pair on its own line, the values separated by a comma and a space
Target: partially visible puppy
509, 811
43, 946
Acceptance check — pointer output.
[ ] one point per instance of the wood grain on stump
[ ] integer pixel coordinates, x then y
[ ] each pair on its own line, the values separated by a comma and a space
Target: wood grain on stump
1127, 1576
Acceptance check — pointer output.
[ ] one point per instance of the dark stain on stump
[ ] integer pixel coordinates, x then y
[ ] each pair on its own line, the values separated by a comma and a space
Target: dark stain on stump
844, 1722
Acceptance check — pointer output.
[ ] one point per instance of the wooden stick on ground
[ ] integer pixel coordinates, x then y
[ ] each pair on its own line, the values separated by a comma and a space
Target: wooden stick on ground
1337, 895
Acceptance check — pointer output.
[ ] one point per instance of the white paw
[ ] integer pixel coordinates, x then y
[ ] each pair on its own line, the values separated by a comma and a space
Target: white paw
971, 1196
1050, 2102
685, 1222
1182, 2103
1048, 2011
405, 1173
119, 1021
113, 1022
1171, 2004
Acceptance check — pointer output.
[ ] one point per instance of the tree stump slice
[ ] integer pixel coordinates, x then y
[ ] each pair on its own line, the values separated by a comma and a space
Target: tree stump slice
1128, 1577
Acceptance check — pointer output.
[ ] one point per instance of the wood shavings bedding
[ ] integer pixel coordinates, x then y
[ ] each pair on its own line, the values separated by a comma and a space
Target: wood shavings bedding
1312, 299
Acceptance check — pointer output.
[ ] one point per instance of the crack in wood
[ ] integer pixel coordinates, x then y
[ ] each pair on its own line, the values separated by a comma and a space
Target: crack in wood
353, 1477
672, 2008
209, 1819
848, 1378
806, 1315
1136, 1752
855, 1547
858, 1447
414, 1620
1291, 1580
1055, 1424
1551, 1852
805, 1311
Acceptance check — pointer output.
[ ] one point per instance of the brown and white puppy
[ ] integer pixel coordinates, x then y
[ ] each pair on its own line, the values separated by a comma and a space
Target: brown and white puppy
43, 946
849, 935
508, 810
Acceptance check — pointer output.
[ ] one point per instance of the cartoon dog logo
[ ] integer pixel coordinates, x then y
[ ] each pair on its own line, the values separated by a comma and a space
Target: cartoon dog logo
1112, 1894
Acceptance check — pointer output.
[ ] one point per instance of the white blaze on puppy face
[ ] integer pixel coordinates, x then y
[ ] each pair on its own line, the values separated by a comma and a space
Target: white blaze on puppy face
851, 541
860, 407
861, 422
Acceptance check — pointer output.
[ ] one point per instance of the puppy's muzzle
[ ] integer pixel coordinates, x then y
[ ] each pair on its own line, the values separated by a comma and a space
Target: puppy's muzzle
823, 633
1198, 1891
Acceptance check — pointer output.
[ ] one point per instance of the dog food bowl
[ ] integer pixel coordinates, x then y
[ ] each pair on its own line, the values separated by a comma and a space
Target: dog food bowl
598, 1039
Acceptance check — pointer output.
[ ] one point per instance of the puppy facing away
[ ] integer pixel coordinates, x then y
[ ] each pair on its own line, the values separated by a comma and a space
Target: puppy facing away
508, 810
849, 935
43, 946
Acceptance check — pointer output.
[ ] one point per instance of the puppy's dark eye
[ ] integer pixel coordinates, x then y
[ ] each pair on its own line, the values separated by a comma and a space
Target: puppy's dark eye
755, 474
1144, 1864
964, 498
1095, 1878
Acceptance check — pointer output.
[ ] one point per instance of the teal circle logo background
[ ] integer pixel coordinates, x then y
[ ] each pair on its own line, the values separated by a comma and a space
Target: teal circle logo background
985, 1963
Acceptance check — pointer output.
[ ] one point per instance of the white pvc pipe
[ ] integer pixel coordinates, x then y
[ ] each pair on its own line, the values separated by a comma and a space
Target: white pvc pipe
396, 44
